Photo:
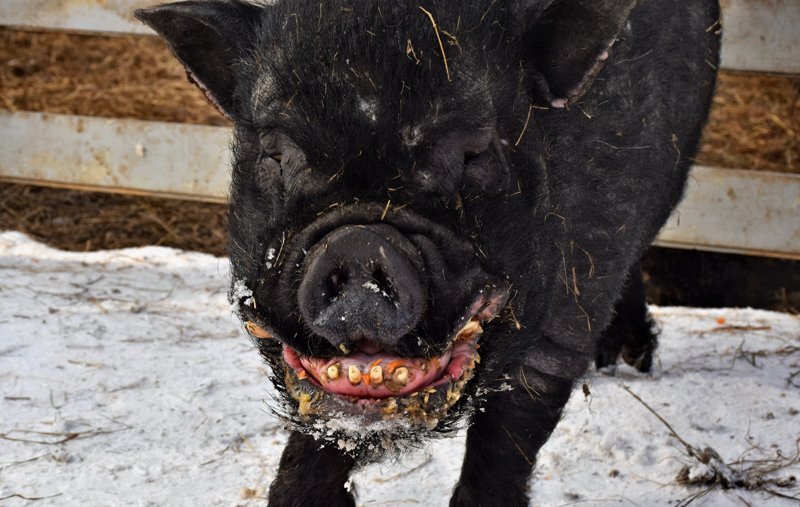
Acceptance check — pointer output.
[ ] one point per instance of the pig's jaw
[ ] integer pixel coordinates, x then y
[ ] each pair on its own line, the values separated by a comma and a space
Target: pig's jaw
378, 388
361, 393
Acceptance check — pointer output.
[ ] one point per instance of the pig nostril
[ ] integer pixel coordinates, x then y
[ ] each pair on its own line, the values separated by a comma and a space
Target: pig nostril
334, 283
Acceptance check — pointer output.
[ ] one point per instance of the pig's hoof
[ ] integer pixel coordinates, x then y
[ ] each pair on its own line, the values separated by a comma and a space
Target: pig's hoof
637, 351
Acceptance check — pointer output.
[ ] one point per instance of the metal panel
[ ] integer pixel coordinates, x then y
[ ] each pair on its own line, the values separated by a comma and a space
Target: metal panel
759, 35
127, 156
725, 210
736, 211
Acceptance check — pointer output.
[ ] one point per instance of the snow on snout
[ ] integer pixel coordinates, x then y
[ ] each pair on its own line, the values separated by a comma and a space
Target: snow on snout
369, 108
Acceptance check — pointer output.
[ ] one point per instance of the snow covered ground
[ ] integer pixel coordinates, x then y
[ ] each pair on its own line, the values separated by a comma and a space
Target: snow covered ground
124, 380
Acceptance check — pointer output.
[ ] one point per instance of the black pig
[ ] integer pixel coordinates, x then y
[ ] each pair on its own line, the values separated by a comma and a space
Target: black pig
417, 182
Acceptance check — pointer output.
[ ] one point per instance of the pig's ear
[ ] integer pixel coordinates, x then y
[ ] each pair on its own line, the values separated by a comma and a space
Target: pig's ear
568, 43
208, 37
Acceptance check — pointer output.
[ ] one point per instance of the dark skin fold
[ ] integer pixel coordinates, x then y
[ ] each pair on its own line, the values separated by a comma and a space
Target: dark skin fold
399, 172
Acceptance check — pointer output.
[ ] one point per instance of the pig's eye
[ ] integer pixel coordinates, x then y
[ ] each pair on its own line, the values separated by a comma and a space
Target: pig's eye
270, 163
486, 172
269, 177
469, 160
271, 144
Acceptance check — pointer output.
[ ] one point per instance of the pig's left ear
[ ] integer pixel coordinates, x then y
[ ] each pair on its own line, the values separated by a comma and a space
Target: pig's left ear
568, 42
208, 37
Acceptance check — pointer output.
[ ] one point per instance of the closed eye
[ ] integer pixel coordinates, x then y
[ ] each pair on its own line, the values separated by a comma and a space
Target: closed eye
471, 157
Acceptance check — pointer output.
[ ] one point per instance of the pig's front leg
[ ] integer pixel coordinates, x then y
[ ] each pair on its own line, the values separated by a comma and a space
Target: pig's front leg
503, 440
311, 475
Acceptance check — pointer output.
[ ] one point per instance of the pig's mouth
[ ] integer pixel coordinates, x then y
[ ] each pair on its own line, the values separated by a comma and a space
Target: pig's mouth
377, 386
374, 374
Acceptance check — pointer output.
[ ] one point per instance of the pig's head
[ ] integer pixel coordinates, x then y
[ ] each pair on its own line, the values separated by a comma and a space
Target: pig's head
385, 197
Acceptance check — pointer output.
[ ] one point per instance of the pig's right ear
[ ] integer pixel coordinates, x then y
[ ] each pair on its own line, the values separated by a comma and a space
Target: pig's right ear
209, 38
568, 41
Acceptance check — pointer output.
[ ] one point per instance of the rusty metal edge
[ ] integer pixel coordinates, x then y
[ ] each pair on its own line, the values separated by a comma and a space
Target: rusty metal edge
76, 31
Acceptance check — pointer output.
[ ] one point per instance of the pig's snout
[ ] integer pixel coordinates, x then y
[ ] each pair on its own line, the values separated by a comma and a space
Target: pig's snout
362, 283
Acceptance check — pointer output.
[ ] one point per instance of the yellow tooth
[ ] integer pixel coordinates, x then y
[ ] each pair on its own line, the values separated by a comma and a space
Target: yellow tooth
401, 375
257, 331
344, 349
354, 375
472, 328
376, 374
333, 372
305, 404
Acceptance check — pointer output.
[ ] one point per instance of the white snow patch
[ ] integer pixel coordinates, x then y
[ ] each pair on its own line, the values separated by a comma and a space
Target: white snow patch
239, 292
371, 286
270, 258
369, 107
136, 352
411, 135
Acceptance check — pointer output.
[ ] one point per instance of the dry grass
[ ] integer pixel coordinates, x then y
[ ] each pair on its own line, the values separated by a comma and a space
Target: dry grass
125, 77
707, 470
754, 124
86, 221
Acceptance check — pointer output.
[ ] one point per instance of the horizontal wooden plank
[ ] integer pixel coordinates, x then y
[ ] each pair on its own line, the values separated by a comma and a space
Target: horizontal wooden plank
128, 156
724, 210
758, 35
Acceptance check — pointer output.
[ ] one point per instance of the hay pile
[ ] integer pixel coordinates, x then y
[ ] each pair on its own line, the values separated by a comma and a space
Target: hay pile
754, 125
126, 77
